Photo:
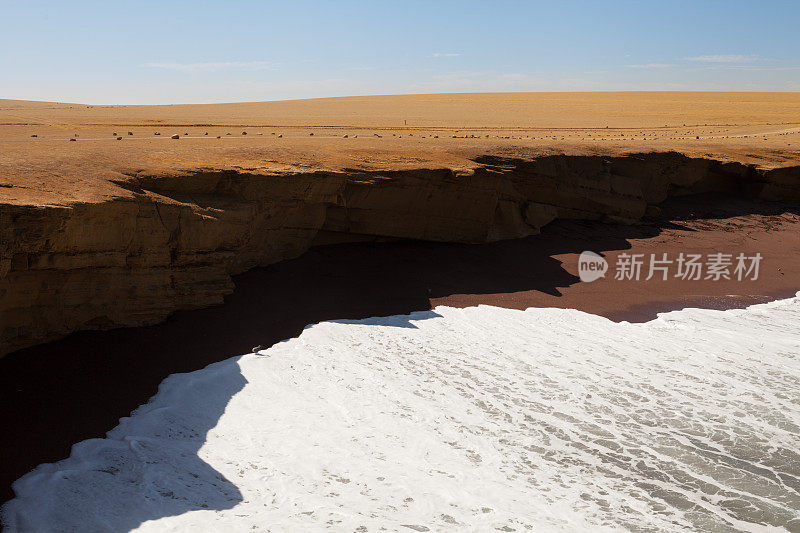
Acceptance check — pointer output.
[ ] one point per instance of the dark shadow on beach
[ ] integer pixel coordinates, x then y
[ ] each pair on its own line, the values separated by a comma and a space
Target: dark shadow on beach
63, 392
149, 468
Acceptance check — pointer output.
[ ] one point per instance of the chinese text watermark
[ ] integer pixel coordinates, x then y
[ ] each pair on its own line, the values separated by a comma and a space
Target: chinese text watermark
686, 266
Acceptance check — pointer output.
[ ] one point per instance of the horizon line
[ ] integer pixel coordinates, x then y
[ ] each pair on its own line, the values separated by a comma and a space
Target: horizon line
380, 95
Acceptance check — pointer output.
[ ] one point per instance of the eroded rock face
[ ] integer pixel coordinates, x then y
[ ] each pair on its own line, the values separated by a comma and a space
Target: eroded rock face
176, 240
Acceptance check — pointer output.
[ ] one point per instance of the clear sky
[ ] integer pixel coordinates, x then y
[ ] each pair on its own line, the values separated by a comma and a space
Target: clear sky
118, 51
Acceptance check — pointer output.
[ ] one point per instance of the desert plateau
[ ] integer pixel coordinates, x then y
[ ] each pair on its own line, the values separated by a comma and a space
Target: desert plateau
248, 185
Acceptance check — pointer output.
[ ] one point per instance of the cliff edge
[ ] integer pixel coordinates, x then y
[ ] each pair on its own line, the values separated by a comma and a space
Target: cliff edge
124, 227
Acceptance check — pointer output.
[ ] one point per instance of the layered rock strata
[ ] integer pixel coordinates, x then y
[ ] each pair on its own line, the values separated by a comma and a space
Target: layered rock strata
172, 241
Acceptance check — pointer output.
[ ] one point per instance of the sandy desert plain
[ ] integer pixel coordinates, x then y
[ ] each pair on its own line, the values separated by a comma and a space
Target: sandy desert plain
126, 248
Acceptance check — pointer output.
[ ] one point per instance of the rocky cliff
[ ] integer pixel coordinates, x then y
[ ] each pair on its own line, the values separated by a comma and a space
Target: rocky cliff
172, 240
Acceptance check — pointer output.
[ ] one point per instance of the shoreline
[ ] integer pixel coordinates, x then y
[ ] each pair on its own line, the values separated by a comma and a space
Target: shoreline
447, 388
644, 312
79, 387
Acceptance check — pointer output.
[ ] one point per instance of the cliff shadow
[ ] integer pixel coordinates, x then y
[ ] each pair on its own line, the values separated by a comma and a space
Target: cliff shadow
146, 469
396, 321
63, 392
712, 206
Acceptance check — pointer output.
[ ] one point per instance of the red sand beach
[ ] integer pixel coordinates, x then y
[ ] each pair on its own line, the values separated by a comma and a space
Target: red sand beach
78, 388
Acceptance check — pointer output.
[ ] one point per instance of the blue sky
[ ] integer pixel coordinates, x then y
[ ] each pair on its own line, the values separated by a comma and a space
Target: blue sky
194, 51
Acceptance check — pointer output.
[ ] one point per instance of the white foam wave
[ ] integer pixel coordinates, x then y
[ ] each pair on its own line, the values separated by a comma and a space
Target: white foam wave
471, 419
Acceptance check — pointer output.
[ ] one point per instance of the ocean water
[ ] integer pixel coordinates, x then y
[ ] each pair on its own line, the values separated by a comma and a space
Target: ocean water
478, 419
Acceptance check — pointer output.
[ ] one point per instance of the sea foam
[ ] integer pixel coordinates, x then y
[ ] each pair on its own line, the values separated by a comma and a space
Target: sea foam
474, 419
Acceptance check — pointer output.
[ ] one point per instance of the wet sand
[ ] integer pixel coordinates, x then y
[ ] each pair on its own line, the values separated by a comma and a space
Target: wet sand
693, 225
79, 387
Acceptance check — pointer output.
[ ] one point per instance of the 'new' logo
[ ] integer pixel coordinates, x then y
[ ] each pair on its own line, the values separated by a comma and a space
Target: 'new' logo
591, 266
